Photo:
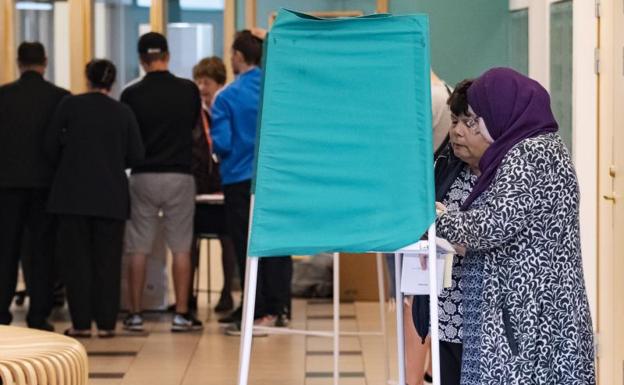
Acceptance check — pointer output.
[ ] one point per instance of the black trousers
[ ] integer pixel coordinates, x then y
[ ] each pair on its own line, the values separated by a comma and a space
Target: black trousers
90, 249
23, 214
274, 286
273, 294
237, 199
450, 363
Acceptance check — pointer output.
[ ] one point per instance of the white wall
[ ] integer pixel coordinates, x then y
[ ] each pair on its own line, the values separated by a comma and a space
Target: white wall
61, 45
100, 22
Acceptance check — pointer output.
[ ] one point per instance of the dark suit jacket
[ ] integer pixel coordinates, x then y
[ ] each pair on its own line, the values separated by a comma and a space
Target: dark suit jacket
26, 107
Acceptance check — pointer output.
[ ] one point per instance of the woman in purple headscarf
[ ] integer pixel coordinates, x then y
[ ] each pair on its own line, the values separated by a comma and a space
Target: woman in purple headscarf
526, 315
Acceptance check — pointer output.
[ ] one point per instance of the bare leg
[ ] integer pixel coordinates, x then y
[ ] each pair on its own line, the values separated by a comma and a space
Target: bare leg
136, 281
182, 280
415, 350
430, 366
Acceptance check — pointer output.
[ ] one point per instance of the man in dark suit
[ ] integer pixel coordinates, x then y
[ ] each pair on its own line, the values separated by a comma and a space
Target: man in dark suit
26, 107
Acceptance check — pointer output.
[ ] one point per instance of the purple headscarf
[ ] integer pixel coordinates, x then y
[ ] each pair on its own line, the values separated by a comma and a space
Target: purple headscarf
513, 108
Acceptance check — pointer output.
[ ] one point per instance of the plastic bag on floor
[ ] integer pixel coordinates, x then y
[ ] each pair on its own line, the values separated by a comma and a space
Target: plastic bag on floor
312, 277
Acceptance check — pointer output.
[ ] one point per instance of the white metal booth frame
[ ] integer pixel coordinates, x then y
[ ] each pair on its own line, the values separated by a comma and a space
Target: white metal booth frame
247, 326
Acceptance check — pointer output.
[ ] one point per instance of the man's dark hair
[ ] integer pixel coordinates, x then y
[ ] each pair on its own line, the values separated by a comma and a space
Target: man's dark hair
210, 67
458, 101
249, 46
31, 54
152, 47
149, 58
101, 73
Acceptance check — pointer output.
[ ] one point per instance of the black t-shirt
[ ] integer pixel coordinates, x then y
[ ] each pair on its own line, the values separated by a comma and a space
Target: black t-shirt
167, 109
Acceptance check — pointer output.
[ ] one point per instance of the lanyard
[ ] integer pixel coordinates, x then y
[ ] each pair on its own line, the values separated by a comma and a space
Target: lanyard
206, 127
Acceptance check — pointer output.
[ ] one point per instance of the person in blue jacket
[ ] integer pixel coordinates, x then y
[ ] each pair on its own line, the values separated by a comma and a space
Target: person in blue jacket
233, 132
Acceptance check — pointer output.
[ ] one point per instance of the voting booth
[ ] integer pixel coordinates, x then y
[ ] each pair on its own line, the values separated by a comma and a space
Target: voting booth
344, 159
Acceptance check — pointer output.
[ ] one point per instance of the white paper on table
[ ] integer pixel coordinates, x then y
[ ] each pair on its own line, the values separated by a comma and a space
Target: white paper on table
443, 247
415, 280
209, 198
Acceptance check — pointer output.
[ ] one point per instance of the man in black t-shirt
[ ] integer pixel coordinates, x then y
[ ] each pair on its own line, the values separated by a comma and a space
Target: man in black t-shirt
167, 109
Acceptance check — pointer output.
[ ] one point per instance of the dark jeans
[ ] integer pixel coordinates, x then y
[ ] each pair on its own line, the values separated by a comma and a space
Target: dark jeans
91, 251
450, 363
22, 213
274, 273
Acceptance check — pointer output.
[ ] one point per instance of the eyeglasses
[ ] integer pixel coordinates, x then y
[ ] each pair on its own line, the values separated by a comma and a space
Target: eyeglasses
472, 122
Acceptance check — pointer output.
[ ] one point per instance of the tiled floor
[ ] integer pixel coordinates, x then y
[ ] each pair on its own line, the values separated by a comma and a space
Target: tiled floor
159, 357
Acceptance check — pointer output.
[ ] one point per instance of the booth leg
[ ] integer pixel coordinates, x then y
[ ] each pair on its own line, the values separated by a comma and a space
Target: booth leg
398, 259
433, 302
336, 290
249, 302
382, 311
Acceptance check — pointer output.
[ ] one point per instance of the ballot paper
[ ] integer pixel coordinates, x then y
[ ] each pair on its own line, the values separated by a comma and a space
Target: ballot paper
415, 279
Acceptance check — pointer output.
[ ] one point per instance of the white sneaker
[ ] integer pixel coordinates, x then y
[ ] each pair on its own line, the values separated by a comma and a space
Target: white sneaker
133, 322
185, 323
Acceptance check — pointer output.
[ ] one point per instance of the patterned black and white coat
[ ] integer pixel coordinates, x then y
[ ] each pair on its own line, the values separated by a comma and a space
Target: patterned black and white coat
535, 319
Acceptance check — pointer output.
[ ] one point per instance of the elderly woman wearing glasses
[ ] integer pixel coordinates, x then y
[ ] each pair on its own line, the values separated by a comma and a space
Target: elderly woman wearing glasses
526, 315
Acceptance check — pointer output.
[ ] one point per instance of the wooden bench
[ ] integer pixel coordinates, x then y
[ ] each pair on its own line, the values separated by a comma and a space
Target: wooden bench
34, 357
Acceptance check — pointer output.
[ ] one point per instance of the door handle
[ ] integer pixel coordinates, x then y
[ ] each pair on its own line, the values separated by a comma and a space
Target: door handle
611, 197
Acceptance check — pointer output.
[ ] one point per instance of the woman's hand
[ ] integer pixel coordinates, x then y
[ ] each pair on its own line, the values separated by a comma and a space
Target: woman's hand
260, 33
440, 209
423, 261
460, 249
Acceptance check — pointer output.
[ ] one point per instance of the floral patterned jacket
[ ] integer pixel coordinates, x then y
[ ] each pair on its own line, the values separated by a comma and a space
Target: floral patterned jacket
536, 325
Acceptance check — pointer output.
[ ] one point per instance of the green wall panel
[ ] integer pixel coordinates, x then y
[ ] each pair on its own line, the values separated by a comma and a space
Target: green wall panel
240, 14
467, 37
561, 67
519, 41
264, 8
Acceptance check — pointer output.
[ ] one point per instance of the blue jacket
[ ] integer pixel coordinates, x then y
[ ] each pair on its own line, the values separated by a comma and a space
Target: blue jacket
233, 131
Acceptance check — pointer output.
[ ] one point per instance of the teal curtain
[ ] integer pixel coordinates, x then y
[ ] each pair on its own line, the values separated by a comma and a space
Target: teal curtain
344, 150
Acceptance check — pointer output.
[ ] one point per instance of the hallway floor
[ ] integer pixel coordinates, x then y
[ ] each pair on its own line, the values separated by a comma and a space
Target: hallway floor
159, 357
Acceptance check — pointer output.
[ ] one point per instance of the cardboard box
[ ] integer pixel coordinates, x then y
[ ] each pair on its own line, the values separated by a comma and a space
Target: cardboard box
358, 277
156, 291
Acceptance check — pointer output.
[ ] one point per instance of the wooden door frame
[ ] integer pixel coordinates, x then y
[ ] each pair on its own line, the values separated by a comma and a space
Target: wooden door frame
7, 42
611, 259
80, 42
